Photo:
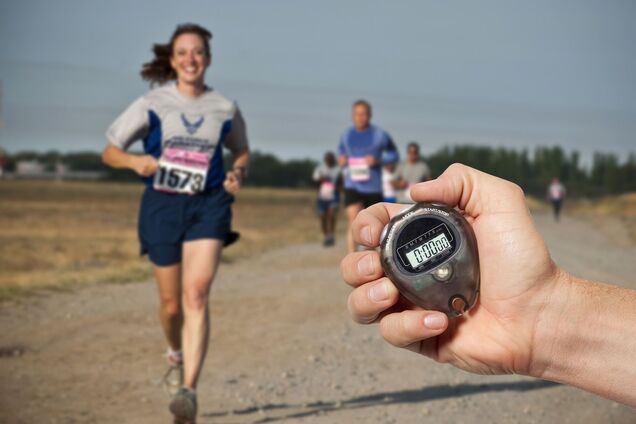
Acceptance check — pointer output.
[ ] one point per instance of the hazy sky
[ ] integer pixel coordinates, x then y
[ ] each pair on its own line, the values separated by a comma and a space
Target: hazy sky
511, 73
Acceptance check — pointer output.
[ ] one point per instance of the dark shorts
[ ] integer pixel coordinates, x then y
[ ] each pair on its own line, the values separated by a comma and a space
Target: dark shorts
324, 205
167, 220
366, 199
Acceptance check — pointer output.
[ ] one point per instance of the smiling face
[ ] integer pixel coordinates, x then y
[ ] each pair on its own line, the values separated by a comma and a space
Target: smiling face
189, 59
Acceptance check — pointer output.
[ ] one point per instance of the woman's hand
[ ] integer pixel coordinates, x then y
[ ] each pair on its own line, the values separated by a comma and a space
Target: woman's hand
517, 279
145, 165
233, 180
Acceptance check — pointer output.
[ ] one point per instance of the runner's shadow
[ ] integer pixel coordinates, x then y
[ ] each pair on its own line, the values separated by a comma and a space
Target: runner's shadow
282, 411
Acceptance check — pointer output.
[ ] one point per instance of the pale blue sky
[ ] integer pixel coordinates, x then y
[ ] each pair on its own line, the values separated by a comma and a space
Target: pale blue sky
498, 72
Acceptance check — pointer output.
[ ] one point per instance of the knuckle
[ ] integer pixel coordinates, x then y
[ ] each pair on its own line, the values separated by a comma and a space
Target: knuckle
516, 190
456, 167
358, 308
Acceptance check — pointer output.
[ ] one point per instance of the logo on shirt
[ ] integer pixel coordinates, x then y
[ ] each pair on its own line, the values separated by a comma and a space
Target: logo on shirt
191, 127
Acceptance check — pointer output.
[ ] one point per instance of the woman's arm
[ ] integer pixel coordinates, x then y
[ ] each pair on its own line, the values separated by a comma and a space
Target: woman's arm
144, 165
240, 164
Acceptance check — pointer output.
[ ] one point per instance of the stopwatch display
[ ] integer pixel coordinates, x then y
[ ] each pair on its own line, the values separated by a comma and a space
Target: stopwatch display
429, 251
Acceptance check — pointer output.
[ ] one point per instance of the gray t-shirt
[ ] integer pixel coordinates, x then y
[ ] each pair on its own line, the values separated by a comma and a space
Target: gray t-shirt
412, 173
323, 172
164, 118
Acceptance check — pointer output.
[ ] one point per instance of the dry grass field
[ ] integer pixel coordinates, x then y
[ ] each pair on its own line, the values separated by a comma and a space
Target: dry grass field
622, 207
58, 234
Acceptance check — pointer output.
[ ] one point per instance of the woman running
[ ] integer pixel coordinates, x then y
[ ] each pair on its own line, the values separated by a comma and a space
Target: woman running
185, 213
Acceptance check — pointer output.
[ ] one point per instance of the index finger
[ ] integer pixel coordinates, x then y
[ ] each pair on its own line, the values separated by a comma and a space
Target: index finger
471, 190
368, 225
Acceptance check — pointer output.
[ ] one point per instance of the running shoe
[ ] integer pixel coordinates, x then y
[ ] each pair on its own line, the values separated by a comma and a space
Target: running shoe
184, 406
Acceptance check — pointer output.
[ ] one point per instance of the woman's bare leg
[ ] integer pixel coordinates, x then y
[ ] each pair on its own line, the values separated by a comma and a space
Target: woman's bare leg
168, 280
200, 262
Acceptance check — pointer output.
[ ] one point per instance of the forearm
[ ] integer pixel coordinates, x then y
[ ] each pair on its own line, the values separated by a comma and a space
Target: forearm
586, 338
241, 161
115, 157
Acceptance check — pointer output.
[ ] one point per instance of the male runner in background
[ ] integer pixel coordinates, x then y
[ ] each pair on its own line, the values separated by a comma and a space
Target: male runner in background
362, 151
410, 172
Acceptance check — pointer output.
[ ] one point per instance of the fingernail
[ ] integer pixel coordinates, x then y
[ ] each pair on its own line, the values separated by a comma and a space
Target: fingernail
379, 292
365, 235
435, 321
365, 265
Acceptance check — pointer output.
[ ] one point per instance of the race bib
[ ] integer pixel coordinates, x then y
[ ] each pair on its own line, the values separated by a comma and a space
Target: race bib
327, 191
359, 169
181, 171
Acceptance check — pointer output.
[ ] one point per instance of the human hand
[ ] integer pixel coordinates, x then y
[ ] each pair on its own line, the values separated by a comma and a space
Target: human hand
232, 183
517, 279
371, 161
145, 165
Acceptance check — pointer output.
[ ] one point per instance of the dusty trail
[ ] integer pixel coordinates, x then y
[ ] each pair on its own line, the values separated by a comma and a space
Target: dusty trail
282, 350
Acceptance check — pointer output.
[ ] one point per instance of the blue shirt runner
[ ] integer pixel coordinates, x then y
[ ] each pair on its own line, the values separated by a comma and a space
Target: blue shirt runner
356, 145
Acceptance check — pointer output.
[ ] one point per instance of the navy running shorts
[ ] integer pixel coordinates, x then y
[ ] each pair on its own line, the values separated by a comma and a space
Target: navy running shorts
167, 220
352, 196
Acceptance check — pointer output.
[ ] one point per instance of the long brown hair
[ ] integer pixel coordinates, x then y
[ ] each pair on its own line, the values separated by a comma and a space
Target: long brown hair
158, 70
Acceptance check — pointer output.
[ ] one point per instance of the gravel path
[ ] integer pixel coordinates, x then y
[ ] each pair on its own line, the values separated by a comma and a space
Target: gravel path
283, 350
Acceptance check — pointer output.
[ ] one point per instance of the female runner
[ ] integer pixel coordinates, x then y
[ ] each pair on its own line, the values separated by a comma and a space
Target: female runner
185, 213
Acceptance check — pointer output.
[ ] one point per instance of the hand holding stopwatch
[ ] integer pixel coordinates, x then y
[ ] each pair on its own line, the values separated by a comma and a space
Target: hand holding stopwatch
429, 252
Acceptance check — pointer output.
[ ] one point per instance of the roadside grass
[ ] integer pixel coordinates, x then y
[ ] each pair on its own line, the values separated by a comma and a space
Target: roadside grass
57, 235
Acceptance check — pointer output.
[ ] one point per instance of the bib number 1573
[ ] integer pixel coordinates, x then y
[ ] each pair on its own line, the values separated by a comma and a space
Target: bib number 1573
181, 171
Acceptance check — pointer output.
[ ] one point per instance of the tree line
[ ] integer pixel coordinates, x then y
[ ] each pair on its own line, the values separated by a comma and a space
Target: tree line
606, 174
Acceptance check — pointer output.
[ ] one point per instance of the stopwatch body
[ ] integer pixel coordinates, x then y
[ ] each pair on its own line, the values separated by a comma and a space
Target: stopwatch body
429, 252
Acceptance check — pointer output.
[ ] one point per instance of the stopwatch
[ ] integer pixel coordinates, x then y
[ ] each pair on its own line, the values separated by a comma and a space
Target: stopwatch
429, 252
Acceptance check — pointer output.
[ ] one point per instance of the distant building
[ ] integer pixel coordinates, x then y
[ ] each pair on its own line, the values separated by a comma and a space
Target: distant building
30, 168
35, 169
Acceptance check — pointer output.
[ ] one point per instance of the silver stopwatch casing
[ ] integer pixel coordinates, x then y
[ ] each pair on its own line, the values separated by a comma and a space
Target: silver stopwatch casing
447, 280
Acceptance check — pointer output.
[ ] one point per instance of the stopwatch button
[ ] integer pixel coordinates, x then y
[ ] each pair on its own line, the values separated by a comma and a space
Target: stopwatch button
458, 304
443, 273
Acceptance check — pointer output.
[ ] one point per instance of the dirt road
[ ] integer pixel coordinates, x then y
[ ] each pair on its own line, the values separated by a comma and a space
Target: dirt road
282, 350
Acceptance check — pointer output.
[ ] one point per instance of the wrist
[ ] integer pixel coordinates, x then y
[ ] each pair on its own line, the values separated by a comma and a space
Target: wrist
586, 338
131, 162
240, 172
554, 314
